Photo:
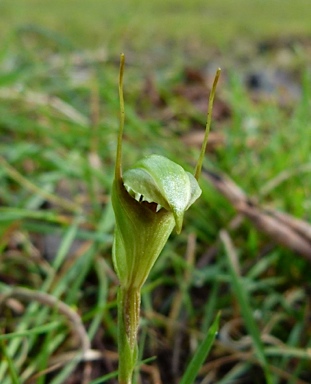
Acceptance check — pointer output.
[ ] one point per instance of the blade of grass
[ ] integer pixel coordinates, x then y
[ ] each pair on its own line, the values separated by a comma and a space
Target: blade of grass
67, 370
234, 373
105, 378
101, 297
30, 186
111, 375
290, 352
41, 329
34, 310
12, 371
65, 245
41, 362
247, 313
210, 306
201, 354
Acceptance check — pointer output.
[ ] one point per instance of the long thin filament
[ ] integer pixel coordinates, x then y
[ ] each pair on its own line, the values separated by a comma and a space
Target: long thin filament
118, 166
198, 167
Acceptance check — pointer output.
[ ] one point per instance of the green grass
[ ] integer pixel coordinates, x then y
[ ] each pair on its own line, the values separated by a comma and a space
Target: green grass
58, 127
139, 24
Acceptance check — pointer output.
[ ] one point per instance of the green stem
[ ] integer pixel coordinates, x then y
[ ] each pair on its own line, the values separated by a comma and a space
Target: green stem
198, 168
128, 321
118, 167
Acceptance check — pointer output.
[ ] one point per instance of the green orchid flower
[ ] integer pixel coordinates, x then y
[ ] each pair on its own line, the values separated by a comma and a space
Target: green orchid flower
149, 201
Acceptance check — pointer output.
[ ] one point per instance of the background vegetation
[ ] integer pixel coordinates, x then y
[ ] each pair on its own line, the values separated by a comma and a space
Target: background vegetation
58, 125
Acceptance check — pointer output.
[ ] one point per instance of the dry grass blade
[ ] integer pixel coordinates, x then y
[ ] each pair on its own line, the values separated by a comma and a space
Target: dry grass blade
297, 225
282, 233
41, 99
28, 185
284, 229
44, 298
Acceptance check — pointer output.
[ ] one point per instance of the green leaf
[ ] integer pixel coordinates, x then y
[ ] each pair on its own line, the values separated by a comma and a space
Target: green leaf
12, 369
246, 310
201, 354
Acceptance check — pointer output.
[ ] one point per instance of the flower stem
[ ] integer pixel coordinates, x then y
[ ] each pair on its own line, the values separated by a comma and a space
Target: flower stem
118, 167
128, 321
198, 168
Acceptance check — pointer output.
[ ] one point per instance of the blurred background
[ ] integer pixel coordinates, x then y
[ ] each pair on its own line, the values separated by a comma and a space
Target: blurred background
245, 249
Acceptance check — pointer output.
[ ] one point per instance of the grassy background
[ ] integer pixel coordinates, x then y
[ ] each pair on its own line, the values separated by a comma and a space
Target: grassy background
58, 125
126, 24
